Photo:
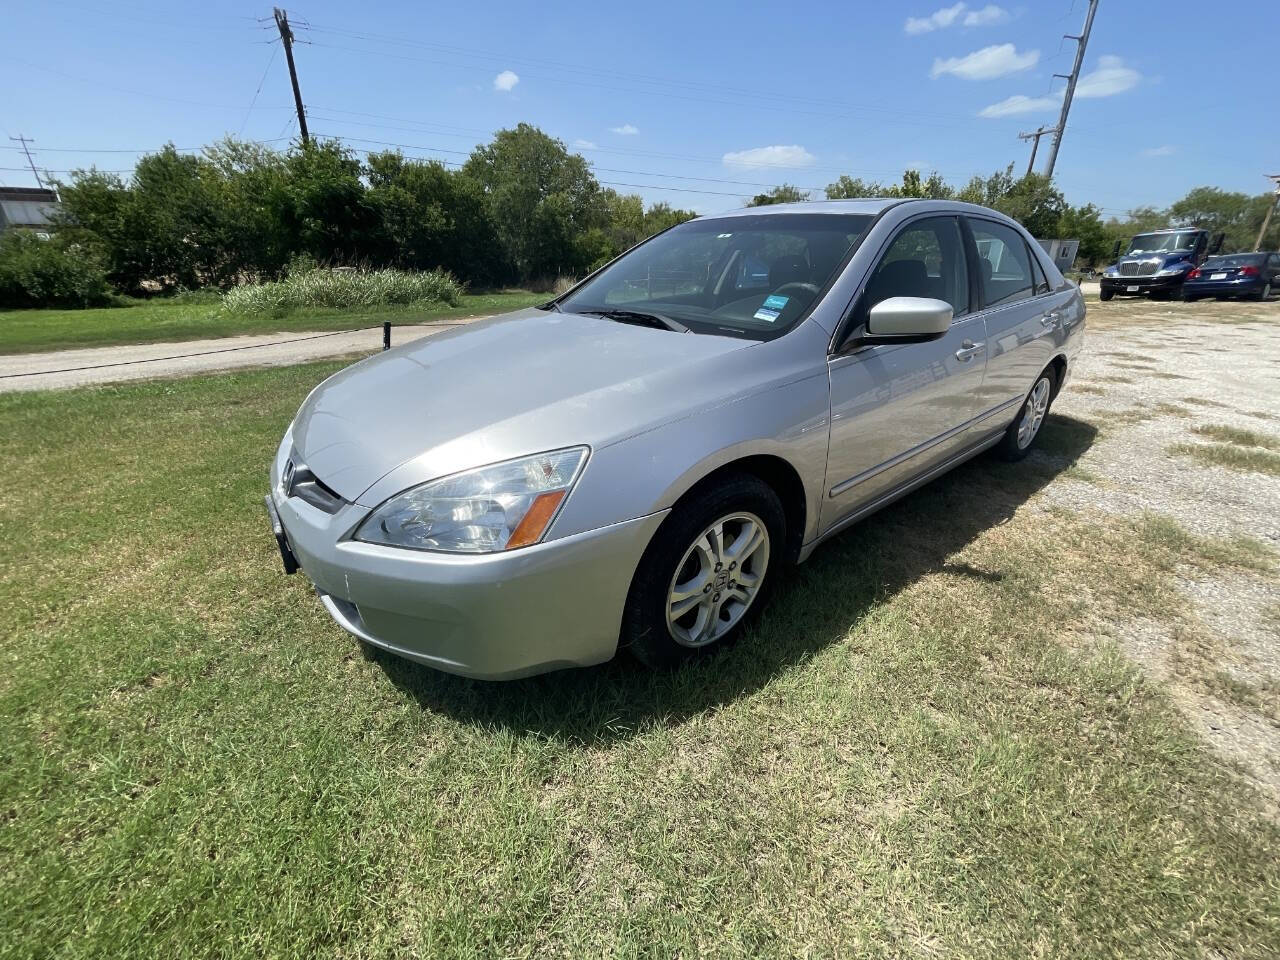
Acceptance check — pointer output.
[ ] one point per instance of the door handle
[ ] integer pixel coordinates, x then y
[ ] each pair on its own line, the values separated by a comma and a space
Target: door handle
1051, 318
968, 350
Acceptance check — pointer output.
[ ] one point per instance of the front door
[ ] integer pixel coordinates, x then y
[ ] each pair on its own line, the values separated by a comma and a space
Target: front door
899, 409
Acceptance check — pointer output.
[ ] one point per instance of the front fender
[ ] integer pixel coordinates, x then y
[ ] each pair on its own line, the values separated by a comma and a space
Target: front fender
650, 471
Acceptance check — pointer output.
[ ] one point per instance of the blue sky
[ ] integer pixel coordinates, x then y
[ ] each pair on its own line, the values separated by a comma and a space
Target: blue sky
693, 103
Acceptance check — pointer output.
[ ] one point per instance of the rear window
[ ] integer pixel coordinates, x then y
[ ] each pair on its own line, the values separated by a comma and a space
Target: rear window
1235, 260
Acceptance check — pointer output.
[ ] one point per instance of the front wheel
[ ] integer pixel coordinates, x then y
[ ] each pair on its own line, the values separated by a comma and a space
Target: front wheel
710, 566
1104, 294
1017, 440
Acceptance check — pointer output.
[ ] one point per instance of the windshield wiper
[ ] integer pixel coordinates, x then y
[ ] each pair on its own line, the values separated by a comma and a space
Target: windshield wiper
641, 318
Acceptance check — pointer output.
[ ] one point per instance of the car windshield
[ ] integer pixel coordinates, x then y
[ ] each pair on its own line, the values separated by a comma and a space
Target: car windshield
1236, 260
748, 276
1163, 242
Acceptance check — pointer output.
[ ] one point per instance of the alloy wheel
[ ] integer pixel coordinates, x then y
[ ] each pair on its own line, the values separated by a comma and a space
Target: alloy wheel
717, 579
1033, 413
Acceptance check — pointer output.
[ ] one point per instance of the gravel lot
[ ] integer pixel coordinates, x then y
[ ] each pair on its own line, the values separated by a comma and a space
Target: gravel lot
1151, 373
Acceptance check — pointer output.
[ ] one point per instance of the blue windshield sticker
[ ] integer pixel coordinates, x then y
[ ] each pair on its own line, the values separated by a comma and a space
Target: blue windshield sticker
767, 315
775, 302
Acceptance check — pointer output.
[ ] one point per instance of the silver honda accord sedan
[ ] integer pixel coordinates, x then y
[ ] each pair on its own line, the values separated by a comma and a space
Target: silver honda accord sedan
631, 463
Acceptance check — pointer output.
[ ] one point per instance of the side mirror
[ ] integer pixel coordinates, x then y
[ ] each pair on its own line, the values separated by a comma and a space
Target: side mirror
1115, 251
908, 320
1217, 243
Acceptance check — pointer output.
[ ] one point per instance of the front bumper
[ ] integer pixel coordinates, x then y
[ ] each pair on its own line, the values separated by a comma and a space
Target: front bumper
1140, 286
491, 616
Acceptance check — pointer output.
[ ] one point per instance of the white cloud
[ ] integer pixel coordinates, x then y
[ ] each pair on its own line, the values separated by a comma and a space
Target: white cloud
1019, 104
506, 81
988, 15
1111, 77
585, 144
938, 20
1165, 151
987, 63
774, 156
626, 130
957, 13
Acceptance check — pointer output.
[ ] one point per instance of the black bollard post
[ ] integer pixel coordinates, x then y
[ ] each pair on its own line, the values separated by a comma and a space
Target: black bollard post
386, 334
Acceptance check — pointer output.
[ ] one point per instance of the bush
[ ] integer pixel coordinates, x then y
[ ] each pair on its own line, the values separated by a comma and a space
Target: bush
57, 272
343, 288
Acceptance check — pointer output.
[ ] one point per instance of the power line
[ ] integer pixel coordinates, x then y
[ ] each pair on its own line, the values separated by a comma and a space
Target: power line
254, 101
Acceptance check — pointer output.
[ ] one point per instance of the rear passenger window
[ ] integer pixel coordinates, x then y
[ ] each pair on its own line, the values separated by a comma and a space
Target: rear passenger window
1004, 262
925, 260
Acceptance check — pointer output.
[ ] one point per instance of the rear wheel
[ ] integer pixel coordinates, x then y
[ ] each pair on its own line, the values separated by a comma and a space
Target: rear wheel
1017, 440
709, 568
1264, 293
1190, 297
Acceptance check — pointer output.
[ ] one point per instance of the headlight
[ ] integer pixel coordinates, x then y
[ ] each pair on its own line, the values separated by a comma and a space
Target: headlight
1111, 271
499, 507
1172, 271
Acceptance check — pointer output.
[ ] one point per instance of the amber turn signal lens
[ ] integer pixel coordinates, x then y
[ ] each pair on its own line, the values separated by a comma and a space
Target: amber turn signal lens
534, 524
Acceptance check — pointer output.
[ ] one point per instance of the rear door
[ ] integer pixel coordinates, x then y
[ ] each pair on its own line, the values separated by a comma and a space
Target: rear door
898, 409
1020, 311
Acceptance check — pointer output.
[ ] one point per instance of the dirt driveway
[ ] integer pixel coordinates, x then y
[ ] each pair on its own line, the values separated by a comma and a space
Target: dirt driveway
1187, 401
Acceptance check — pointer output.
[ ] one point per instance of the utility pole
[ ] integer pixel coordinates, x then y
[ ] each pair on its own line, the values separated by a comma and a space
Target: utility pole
1266, 221
1034, 137
24, 141
286, 37
1081, 42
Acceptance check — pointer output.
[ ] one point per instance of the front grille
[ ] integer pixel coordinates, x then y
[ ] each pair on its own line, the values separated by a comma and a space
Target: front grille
1136, 268
298, 481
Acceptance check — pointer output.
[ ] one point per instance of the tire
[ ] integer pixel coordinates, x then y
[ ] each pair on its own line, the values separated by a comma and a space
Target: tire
1220, 297
1190, 297
1263, 294
682, 554
1104, 295
1015, 444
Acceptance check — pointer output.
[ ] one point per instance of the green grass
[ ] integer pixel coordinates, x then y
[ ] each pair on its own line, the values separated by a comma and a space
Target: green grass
1231, 456
910, 755
27, 331
1244, 438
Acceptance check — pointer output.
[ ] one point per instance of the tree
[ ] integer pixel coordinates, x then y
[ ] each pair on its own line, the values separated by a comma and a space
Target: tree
1035, 203
541, 198
429, 216
1085, 224
783, 194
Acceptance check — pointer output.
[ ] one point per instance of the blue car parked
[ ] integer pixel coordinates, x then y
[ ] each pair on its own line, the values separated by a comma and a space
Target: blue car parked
1251, 275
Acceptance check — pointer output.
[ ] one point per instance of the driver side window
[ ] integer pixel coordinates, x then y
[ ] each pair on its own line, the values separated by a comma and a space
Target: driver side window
926, 259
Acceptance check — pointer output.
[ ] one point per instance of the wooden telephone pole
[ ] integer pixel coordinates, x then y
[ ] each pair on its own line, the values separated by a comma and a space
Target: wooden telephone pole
1034, 137
1081, 42
286, 37
1266, 221
31, 163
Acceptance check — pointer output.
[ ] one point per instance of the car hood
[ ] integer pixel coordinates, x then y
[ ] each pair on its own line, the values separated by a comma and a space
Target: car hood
500, 388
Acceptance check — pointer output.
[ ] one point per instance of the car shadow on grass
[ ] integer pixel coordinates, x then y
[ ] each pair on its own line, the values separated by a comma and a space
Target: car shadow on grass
816, 605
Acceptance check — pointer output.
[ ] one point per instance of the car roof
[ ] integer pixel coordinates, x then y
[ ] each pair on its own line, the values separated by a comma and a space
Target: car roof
1147, 233
872, 206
